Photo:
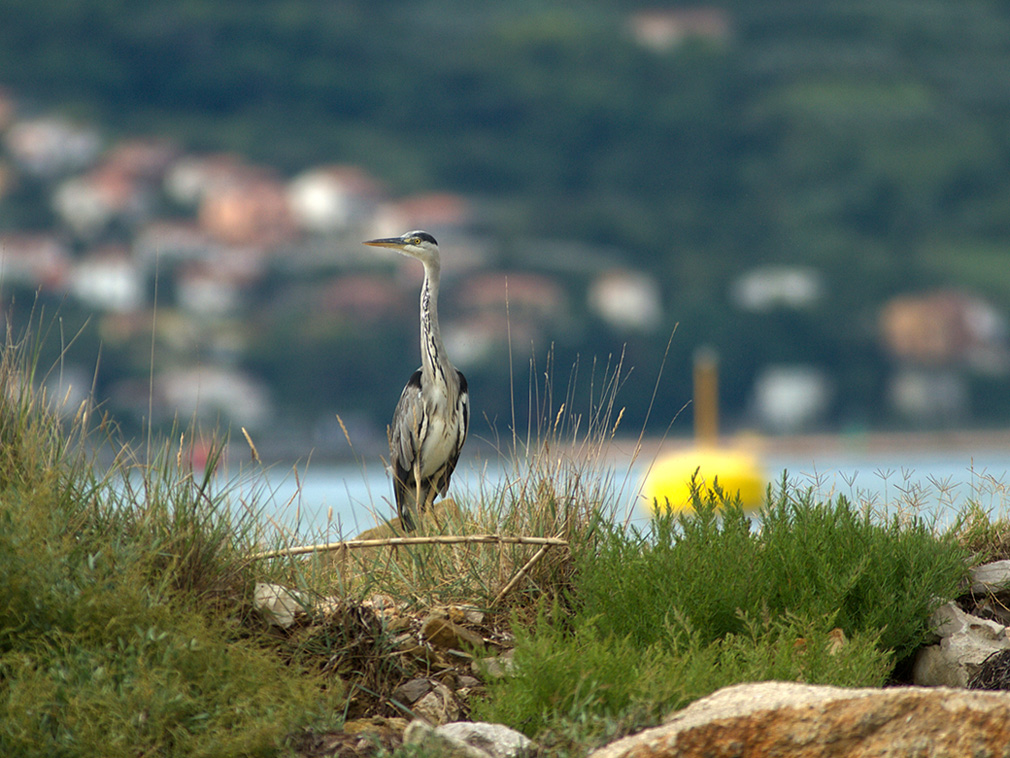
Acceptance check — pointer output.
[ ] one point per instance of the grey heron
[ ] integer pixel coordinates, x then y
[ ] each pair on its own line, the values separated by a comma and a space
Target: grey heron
432, 417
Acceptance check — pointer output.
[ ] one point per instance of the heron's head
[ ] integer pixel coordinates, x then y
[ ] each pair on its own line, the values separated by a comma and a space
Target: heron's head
416, 244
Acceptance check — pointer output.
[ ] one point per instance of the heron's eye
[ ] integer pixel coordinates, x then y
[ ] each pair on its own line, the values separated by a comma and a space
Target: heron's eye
415, 240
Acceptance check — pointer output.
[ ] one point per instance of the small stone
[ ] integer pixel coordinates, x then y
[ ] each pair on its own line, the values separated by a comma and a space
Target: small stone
465, 614
437, 707
411, 691
965, 642
465, 681
990, 577
278, 604
443, 633
496, 667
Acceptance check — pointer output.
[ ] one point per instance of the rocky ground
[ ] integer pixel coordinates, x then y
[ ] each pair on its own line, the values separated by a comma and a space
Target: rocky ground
440, 660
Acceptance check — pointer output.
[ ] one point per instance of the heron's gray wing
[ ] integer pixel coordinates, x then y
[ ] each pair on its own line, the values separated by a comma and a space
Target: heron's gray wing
405, 435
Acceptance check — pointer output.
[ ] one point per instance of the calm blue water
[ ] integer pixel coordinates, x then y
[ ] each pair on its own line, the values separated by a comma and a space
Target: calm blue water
339, 502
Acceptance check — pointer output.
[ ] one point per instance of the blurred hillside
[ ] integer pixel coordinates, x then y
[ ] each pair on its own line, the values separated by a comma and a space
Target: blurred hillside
817, 190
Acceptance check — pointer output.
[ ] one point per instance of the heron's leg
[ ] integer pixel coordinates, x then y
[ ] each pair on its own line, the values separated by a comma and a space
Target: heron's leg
418, 508
429, 505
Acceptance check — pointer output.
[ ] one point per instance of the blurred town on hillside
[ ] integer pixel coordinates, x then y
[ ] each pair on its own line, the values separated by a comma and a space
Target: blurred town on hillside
158, 243
175, 257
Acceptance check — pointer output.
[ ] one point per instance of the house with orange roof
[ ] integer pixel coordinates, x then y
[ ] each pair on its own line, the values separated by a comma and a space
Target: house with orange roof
493, 307
435, 212
251, 211
191, 177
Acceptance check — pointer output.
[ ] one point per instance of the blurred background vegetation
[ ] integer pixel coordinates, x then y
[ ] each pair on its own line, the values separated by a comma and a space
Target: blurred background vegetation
863, 143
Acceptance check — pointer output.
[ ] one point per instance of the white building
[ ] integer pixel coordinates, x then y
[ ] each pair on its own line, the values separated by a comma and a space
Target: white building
790, 398
52, 146
211, 393
769, 287
627, 300
333, 199
108, 280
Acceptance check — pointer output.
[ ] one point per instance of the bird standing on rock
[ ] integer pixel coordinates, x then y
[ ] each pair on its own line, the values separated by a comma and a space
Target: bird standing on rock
431, 419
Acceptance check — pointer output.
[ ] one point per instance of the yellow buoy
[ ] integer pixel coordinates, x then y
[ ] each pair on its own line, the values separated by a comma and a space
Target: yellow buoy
736, 472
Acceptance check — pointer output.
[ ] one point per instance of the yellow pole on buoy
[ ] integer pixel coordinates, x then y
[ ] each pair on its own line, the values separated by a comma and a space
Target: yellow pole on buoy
673, 479
706, 396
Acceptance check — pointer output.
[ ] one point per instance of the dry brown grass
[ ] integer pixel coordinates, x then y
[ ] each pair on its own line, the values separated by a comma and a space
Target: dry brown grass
554, 482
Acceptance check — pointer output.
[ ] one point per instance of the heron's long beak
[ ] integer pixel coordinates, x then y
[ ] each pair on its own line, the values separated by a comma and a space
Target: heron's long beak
396, 243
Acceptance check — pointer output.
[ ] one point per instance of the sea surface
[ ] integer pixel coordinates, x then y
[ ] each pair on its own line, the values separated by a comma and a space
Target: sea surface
935, 480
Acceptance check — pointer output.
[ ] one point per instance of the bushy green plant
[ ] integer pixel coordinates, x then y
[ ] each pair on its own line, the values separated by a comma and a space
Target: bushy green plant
885, 573
697, 566
714, 566
986, 536
585, 686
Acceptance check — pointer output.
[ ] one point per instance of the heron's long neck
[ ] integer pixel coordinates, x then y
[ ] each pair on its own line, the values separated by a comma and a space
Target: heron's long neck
434, 361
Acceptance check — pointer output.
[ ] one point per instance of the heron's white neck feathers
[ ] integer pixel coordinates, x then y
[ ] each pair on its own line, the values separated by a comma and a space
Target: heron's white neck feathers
434, 362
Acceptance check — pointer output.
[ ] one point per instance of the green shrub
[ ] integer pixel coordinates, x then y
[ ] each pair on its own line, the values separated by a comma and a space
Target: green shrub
585, 686
714, 566
873, 573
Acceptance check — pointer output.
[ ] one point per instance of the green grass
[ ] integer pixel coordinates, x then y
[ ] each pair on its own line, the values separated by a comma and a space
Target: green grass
123, 600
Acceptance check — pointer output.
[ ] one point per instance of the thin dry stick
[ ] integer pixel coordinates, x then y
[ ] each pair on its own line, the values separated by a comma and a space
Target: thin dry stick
392, 541
523, 571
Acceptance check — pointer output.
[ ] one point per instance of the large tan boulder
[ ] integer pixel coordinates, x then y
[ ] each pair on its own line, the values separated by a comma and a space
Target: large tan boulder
787, 720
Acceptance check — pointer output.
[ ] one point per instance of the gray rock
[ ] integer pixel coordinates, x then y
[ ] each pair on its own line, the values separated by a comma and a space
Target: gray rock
463, 739
437, 707
494, 740
425, 736
965, 641
412, 691
990, 577
495, 667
